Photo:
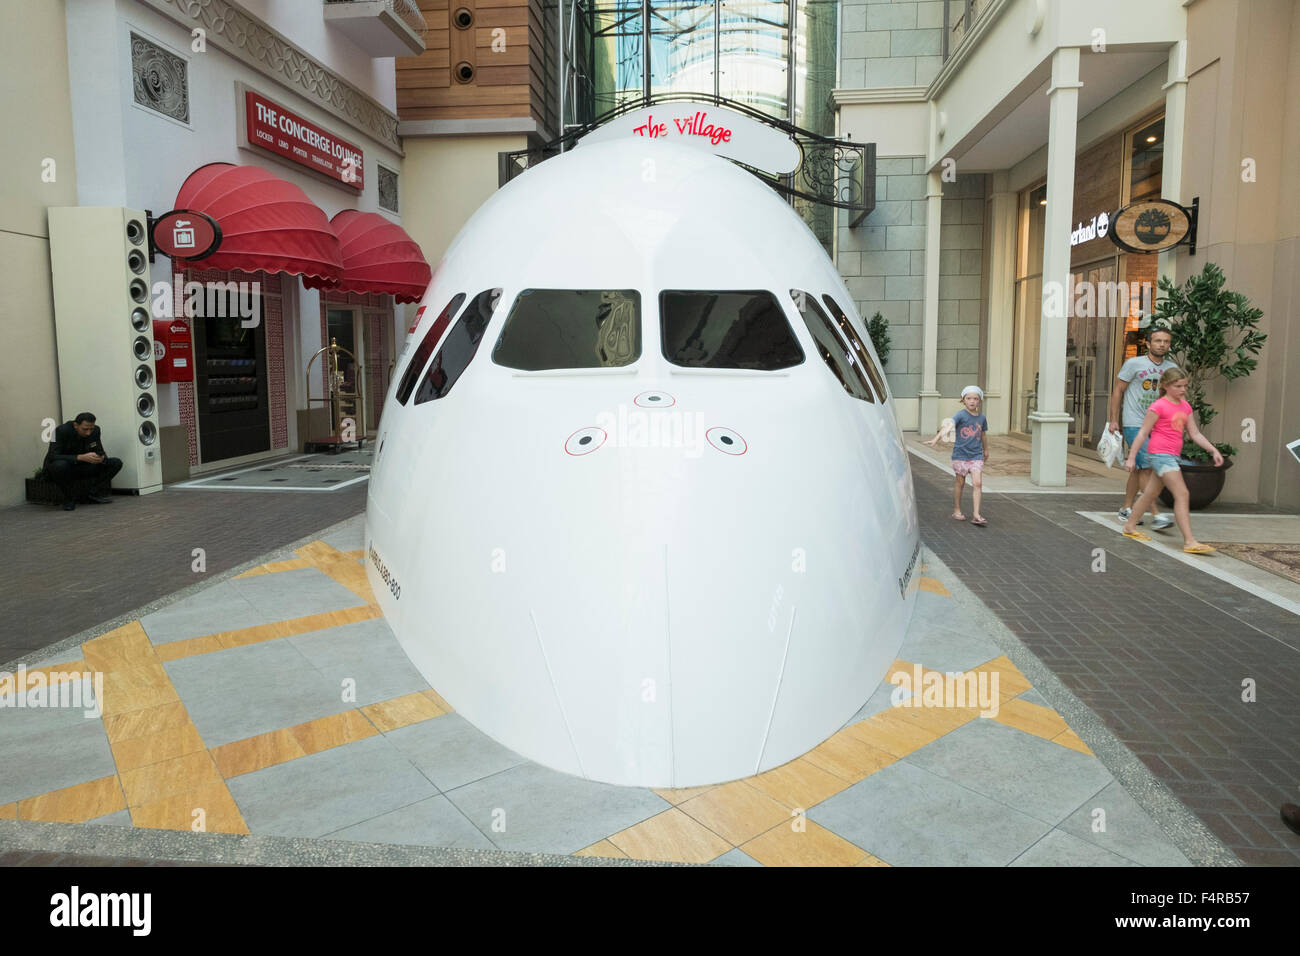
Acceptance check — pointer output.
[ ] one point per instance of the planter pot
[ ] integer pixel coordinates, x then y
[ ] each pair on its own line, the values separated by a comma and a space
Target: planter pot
1204, 482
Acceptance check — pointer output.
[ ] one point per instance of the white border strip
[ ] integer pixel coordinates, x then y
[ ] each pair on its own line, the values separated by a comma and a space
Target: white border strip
1203, 563
988, 490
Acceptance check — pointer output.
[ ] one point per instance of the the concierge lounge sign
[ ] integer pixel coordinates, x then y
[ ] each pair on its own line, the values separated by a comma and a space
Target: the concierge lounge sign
283, 132
713, 128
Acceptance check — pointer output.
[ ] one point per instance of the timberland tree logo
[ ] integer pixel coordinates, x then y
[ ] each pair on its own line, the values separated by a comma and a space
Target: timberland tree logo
75, 908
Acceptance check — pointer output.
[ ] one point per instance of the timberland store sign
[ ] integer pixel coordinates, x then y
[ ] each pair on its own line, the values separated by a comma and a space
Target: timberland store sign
703, 126
1096, 228
272, 127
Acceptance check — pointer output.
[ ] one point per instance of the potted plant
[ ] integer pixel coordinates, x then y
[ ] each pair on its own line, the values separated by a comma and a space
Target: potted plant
1215, 334
878, 329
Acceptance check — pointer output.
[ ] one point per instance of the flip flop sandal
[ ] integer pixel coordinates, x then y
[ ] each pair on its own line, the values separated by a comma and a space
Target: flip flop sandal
979, 522
958, 516
1136, 535
1200, 549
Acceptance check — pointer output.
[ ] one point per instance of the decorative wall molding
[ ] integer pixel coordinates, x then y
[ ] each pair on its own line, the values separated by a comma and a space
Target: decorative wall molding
248, 39
159, 79
891, 94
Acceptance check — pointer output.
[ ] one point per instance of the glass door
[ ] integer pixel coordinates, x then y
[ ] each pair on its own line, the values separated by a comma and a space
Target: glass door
344, 328
1095, 309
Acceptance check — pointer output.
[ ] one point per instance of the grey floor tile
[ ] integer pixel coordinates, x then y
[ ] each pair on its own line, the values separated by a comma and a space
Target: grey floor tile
908, 817
325, 792
1061, 849
365, 652
434, 821
250, 690
210, 611
735, 857
120, 819
350, 537
289, 594
1129, 831
452, 752
1035, 776
32, 764
531, 808
941, 648
1034, 697
75, 701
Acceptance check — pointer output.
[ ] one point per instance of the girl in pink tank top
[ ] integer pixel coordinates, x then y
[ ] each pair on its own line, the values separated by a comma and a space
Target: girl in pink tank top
1166, 420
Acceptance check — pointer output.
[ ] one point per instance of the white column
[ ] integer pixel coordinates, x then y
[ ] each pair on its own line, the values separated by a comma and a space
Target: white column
929, 393
1049, 426
1171, 176
1002, 214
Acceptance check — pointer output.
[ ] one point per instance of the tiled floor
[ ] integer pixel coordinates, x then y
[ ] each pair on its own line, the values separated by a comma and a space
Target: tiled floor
279, 703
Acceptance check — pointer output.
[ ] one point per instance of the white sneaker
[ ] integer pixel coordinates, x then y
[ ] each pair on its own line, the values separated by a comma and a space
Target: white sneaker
1161, 522
1123, 514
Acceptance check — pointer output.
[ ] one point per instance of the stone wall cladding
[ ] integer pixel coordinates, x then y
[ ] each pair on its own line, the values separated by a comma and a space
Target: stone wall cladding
890, 43
883, 264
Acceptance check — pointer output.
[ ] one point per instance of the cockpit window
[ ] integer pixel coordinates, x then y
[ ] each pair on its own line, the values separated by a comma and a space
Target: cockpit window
571, 328
851, 334
727, 330
834, 352
425, 348
456, 353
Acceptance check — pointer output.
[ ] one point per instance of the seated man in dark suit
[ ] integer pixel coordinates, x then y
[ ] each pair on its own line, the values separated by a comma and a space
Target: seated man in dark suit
76, 459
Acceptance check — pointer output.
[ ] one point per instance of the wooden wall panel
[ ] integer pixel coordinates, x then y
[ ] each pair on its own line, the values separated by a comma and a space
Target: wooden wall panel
505, 84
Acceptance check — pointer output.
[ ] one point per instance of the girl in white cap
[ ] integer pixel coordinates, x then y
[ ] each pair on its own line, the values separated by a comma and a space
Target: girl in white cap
970, 451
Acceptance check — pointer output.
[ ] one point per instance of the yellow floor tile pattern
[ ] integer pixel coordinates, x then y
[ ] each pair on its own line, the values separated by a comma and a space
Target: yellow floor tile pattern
683, 794
603, 848
340, 567
933, 586
325, 733
401, 711
1032, 719
803, 843
671, 836
254, 753
736, 811
75, 804
167, 777
799, 784
293, 564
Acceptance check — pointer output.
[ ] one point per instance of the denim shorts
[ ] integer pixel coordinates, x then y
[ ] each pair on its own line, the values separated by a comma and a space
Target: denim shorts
1163, 464
1130, 435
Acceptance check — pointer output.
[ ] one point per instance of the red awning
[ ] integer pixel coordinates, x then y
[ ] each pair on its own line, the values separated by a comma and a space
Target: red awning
266, 222
378, 256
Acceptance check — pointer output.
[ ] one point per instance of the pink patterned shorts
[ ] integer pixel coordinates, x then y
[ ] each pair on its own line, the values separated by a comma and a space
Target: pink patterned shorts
960, 467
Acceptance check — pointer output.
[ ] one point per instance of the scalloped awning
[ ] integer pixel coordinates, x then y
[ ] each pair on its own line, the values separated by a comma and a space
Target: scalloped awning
267, 223
378, 256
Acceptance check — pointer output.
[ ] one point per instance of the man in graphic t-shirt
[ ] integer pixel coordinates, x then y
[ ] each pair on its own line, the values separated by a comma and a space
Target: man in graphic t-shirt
1137, 386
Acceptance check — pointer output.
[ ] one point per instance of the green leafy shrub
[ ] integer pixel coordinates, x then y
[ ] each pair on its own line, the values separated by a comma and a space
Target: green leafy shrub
1215, 334
878, 329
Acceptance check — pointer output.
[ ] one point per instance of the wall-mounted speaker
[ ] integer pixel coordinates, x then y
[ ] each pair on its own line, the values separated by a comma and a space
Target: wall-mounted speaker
100, 262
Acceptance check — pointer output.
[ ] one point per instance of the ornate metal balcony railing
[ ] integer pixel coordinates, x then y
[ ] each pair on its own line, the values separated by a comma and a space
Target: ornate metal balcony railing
832, 173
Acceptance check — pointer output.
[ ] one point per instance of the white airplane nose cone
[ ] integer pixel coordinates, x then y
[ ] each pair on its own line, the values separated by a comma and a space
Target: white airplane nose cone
637, 571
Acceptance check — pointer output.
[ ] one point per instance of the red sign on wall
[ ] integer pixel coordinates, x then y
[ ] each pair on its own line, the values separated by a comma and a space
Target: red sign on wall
285, 133
185, 234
